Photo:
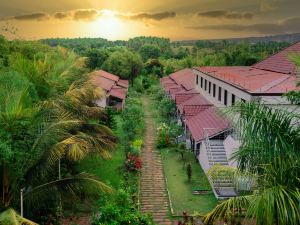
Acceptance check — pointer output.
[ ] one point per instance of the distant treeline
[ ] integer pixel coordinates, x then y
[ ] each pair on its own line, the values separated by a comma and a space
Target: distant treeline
160, 56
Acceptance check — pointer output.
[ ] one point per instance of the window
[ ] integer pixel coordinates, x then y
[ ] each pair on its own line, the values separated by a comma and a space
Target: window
205, 84
220, 94
214, 90
232, 99
225, 97
243, 100
209, 85
197, 79
201, 82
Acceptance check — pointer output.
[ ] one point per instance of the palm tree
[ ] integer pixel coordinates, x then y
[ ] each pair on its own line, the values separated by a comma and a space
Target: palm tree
270, 140
10, 217
36, 135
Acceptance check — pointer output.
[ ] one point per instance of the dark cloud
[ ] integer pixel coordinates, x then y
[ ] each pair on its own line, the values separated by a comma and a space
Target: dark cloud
223, 14
151, 16
62, 15
33, 16
86, 14
289, 25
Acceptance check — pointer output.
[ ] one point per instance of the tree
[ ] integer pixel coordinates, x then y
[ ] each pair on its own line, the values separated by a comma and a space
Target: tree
96, 57
39, 130
270, 140
154, 66
149, 52
10, 217
124, 63
189, 171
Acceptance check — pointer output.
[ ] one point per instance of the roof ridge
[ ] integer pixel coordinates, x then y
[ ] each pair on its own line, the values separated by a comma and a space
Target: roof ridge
272, 55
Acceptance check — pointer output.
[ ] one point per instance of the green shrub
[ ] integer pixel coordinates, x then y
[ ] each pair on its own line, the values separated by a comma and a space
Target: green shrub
119, 210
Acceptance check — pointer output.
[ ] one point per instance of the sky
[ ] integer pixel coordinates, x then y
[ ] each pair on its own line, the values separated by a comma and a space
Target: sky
124, 19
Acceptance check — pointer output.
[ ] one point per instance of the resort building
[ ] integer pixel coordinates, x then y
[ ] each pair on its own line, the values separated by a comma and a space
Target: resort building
202, 93
115, 89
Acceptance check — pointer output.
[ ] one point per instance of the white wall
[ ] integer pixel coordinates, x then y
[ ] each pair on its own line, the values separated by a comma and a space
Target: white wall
101, 102
231, 145
239, 94
203, 159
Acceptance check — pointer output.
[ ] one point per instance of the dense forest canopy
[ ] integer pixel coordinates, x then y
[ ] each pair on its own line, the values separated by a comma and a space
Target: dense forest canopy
164, 56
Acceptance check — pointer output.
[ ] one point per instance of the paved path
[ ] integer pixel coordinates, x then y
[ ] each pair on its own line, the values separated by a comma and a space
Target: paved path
154, 199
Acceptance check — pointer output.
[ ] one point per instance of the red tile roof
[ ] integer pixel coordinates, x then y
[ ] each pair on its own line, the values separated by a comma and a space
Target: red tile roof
180, 98
107, 75
165, 80
252, 80
167, 87
185, 77
193, 110
118, 92
175, 90
280, 62
123, 83
208, 122
103, 82
196, 100
112, 84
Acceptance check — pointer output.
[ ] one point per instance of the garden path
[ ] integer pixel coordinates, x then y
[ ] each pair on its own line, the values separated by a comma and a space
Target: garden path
154, 198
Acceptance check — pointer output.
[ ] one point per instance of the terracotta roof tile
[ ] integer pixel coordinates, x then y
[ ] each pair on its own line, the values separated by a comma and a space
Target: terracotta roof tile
208, 122
118, 92
196, 100
280, 61
251, 79
193, 110
103, 82
112, 84
123, 83
184, 77
107, 75
183, 96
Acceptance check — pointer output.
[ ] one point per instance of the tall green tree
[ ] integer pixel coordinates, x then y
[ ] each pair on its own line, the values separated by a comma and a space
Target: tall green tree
124, 63
270, 140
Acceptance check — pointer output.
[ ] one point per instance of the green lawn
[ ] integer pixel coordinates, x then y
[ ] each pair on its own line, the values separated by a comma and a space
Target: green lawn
109, 171
181, 191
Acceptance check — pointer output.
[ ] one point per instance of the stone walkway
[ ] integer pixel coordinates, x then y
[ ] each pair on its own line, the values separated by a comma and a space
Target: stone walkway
154, 199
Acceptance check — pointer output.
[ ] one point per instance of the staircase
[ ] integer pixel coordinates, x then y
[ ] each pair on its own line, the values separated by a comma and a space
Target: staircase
216, 152
222, 184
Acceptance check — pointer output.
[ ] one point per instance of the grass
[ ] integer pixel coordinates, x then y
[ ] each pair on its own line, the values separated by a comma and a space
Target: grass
180, 189
109, 171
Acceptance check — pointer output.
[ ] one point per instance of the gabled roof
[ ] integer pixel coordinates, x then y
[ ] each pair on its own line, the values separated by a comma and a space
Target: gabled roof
123, 83
112, 84
103, 82
252, 80
118, 92
184, 77
107, 75
193, 110
167, 87
196, 100
175, 90
184, 92
280, 61
180, 98
207, 123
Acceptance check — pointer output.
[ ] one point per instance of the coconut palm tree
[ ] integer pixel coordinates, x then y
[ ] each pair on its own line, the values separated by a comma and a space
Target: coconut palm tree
270, 140
10, 217
36, 135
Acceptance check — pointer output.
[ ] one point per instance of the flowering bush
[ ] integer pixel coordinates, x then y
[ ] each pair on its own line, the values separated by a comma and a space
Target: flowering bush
133, 162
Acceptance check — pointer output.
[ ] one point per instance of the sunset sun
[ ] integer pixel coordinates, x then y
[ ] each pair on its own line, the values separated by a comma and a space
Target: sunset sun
109, 25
